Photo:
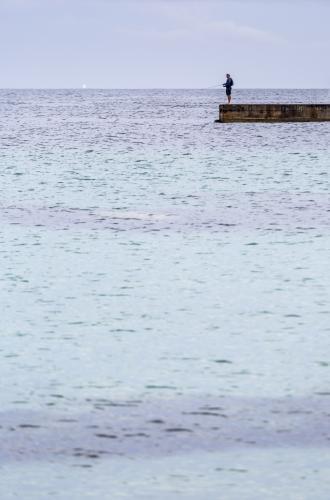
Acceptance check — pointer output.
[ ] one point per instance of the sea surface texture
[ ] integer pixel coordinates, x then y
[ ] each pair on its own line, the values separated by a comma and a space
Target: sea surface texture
165, 298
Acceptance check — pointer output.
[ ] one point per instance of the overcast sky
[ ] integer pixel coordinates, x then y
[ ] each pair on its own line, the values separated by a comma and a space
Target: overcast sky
164, 43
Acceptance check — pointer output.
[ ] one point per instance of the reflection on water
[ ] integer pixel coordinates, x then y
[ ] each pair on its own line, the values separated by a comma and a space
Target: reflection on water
165, 297
155, 428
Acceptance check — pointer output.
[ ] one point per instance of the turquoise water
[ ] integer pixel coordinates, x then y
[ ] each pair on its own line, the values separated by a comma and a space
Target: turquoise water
165, 298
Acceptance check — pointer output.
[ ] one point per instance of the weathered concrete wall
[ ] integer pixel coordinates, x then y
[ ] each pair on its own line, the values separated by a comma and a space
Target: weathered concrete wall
230, 113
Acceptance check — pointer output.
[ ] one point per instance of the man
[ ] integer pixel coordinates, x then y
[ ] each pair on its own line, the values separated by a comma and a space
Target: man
229, 83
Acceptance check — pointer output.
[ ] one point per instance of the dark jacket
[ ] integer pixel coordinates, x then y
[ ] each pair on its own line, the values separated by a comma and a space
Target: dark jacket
229, 83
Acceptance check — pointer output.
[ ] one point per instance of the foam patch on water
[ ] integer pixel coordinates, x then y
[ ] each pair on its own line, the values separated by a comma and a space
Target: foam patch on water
254, 211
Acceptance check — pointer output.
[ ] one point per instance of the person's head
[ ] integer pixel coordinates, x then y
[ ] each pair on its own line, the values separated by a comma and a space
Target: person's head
228, 75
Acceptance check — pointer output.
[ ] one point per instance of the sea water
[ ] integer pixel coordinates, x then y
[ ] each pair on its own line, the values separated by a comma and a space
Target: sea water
165, 298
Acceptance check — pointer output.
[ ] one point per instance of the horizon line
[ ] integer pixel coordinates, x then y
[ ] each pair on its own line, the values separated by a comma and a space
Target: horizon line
161, 88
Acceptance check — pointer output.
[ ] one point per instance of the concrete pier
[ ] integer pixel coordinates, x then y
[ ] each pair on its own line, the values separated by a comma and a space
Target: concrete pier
233, 113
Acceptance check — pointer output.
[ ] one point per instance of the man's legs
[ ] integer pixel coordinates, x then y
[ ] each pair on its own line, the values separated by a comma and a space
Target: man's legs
229, 98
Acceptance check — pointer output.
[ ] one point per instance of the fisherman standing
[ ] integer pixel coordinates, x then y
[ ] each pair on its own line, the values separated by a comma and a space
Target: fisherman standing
229, 84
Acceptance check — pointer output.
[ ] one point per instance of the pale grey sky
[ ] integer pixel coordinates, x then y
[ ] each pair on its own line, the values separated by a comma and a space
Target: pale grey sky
164, 43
